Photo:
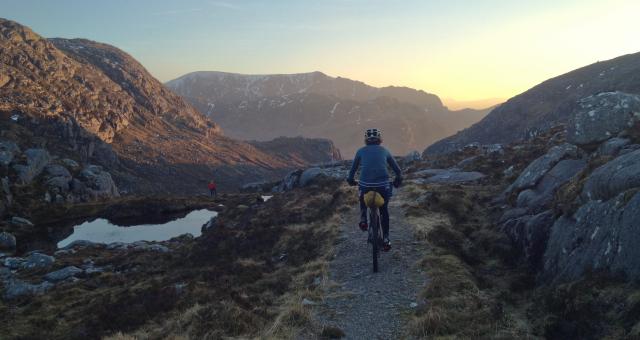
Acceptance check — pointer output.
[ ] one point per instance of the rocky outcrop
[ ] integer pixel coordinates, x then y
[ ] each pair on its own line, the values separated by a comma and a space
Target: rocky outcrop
302, 178
602, 116
602, 235
538, 168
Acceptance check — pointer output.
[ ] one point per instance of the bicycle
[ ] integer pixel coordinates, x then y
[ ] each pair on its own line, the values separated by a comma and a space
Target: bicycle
374, 200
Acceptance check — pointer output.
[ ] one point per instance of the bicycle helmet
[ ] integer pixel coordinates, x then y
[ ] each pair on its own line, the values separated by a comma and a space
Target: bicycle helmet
372, 135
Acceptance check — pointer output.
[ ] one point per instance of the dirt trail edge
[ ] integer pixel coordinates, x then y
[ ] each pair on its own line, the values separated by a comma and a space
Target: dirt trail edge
367, 305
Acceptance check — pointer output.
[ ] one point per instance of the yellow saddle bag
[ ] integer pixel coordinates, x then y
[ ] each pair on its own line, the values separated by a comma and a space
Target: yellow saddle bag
373, 199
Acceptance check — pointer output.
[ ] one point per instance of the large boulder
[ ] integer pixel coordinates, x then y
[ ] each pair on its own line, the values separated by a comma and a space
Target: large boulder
539, 167
36, 160
602, 235
618, 175
98, 182
602, 116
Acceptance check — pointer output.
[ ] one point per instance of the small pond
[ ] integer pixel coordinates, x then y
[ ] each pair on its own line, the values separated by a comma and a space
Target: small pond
102, 231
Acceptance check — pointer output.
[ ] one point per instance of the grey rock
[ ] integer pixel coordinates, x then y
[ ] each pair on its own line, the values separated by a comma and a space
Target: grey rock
508, 172
513, 213
602, 116
13, 262
64, 252
58, 184
540, 197
309, 175
429, 172
99, 183
628, 149
15, 288
38, 260
117, 246
21, 222
210, 224
70, 163
539, 167
83, 244
455, 177
411, 157
6, 191
605, 182
602, 235
55, 170
36, 160
151, 247
466, 162
63, 274
307, 302
7, 241
5, 273
8, 150
613, 146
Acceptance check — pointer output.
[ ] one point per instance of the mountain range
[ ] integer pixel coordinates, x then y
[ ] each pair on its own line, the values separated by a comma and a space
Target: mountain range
547, 104
315, 105
96, 104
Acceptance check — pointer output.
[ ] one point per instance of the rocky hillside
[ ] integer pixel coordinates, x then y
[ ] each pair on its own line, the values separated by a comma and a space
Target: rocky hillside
94, 104
263, 107
547, 104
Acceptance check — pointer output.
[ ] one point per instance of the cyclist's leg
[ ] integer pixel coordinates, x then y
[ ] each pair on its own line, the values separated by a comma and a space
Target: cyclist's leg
363, 211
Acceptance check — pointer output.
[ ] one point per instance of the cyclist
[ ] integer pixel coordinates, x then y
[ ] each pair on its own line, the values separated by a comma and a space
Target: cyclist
374, 158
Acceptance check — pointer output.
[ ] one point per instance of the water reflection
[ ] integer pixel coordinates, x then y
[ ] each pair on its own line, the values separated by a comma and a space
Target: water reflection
103, 231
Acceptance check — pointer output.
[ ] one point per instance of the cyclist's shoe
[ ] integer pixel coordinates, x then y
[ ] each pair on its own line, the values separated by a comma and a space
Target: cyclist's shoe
386, 244
363, 225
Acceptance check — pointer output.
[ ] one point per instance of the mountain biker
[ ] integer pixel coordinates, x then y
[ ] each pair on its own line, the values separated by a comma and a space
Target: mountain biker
373, 159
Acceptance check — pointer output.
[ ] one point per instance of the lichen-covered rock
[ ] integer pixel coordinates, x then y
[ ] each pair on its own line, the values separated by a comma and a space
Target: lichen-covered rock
36, 160
610, 179
539, 198
602, 235
602, 116
539, 167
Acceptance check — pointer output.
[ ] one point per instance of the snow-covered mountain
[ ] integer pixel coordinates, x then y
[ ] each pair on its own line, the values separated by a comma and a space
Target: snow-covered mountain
263, 107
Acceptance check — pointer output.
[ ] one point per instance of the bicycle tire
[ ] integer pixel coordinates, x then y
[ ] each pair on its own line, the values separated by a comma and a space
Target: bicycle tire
374, 219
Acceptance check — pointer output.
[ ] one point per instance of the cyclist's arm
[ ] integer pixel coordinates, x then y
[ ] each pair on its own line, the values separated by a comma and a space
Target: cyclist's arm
354, 167
394, 165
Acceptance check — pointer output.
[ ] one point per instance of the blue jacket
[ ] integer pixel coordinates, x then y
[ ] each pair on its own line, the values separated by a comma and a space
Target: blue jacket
374, 160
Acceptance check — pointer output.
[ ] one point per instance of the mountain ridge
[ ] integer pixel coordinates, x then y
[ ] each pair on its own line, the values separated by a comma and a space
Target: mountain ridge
315, 105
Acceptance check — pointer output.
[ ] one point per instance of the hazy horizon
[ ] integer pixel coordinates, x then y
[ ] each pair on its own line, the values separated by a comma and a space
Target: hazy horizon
462, 51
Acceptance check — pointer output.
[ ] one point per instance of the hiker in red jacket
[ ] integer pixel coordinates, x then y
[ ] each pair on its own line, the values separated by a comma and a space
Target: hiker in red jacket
212, 188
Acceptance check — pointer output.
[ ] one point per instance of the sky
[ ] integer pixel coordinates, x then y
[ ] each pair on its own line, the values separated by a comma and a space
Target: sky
462, 49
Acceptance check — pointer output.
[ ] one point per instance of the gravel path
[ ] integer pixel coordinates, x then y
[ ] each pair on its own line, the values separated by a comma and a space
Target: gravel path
365, 305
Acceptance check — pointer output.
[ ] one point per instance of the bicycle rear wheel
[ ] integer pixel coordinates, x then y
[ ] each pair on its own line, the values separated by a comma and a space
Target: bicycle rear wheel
374, 219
